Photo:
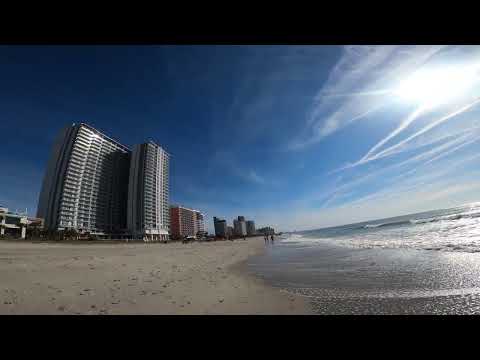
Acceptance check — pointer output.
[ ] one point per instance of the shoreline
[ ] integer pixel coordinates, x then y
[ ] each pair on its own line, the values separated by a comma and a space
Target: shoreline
340, 280
138, 278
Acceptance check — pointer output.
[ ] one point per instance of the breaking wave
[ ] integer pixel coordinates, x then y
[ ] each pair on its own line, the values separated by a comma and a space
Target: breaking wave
454, 230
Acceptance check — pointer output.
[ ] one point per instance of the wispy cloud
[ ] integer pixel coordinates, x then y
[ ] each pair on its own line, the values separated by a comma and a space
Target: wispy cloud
401, 169
394, 149
249, 175
361, 71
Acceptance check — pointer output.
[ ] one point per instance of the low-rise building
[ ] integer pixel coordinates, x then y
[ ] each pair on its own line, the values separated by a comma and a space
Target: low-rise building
15, 224
266, 230
185, 222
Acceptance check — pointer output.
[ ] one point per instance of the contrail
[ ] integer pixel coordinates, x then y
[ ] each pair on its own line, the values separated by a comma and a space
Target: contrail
405, 123
362, 93
427, 128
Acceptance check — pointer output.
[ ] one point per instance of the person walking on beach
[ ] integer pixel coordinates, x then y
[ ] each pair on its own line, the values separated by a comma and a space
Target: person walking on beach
271, 238
265, 237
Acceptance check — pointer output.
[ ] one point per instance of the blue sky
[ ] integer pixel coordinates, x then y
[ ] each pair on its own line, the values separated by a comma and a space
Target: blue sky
297, 137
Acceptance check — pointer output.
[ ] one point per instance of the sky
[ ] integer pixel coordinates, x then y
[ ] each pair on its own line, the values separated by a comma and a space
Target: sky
295, 137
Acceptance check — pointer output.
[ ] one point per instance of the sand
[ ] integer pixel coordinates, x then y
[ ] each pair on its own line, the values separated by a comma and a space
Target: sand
137, 278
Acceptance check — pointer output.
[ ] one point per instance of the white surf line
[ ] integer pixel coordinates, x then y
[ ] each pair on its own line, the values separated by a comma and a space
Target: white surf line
387, 294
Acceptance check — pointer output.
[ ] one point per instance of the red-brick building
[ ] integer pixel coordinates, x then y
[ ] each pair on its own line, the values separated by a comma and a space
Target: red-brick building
185, 222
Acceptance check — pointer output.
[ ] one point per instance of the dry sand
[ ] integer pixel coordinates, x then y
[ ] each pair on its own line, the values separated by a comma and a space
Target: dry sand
137, 278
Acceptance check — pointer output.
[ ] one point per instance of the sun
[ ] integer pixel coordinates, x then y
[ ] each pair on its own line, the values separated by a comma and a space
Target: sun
437, 86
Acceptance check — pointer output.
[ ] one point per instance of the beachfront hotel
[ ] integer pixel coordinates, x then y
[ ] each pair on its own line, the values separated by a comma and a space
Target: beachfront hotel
86, 183
148, 215
96, 185
185, 222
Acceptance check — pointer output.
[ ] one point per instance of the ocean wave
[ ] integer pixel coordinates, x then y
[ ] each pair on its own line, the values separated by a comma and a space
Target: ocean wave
456, 230
466, 215
370, 226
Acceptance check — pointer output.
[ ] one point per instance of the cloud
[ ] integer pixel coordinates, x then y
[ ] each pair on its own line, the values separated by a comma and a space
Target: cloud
401, 170
398, 146
361, 71
254, 177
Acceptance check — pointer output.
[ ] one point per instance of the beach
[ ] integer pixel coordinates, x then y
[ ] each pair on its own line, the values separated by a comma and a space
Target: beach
138, 278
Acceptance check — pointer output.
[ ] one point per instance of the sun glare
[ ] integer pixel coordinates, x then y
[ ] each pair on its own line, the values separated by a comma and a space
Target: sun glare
436, 86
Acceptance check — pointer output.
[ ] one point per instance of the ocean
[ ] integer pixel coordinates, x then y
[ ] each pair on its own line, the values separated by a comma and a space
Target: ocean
424, 263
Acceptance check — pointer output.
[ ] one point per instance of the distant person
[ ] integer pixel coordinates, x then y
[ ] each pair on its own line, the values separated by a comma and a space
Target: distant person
271, 238
265, 237
244, 238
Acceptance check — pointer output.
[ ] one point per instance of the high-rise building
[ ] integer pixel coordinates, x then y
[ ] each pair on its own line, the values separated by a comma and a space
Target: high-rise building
239, 226
229, 231
250, 227
199, 222
220, 227
148, 214
185, 222
85, 186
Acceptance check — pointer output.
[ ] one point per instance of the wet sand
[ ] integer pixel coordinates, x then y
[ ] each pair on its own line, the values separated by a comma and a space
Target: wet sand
340, 280
137, 278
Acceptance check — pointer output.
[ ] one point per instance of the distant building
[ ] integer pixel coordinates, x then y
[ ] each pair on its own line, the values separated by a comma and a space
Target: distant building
229, 230
220, 227
199, 222
251, 227
266, 230
85, 184
240, 226
148, 215
185, 222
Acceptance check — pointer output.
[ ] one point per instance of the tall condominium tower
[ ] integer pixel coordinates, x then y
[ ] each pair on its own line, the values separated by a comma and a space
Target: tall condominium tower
148, 207
86, 183
240, 226
185, 222
220, 227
